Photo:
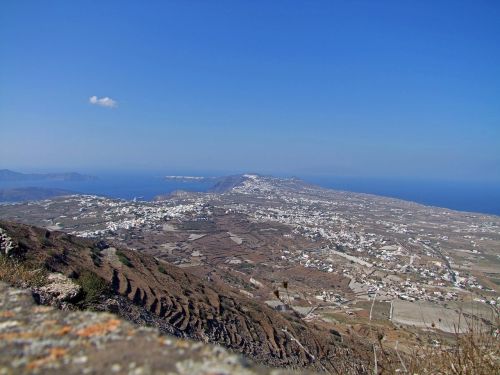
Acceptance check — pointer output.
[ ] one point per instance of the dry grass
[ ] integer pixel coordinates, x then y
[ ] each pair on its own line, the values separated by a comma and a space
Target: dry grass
18, 273
476, 352
473, 353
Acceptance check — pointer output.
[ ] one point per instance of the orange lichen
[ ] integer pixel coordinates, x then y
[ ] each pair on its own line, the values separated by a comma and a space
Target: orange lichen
64, 330
6, 314
54, 354
99, 328
57, 352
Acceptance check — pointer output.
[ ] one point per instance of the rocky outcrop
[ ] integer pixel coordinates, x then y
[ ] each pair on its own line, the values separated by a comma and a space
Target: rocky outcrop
6, 244
41, 340
58, 290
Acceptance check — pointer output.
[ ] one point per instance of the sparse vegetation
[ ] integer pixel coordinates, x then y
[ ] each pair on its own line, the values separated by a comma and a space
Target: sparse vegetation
124, 259
162, 269
93, 286
286, 301
95, 254
246, 267
476, 352
55, 257
46, 242
21, 274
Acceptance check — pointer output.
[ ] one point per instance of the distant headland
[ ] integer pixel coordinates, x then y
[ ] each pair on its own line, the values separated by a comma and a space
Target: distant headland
9, 175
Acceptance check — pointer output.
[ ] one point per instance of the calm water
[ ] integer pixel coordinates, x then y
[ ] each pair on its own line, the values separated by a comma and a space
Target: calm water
464, 196
118, 186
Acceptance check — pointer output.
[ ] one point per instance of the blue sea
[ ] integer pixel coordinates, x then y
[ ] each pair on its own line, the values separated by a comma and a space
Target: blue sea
130, 186
483, 197
463, 196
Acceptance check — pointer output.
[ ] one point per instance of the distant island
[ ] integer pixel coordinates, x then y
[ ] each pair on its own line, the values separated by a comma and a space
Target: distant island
8, 175
189, 178
23, 194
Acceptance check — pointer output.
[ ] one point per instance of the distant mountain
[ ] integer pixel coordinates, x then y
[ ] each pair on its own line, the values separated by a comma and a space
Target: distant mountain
8, 175
228, 183
31, 194
224, 184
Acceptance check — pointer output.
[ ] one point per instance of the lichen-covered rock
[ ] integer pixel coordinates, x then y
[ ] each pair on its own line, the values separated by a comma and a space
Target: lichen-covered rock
60, 288
41, 340
6, 243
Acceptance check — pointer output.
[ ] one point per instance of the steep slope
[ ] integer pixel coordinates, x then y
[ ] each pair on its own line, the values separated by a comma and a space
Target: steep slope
146, 291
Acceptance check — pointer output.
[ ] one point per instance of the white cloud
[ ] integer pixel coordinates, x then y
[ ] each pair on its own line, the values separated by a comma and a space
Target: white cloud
103, 102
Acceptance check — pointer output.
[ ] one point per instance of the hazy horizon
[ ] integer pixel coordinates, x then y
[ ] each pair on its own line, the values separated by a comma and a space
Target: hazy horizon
471, 196
214, 172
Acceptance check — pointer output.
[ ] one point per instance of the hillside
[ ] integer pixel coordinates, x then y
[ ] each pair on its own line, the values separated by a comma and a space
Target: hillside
146, 291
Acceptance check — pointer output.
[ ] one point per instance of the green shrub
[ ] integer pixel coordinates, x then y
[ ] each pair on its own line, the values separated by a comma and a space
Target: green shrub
93, 287
46, 242
124, 259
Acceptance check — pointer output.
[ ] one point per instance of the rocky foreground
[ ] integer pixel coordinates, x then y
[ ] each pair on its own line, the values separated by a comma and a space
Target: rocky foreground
41, 339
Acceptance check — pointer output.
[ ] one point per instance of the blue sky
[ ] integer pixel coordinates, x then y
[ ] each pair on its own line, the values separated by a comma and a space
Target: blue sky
343, 88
